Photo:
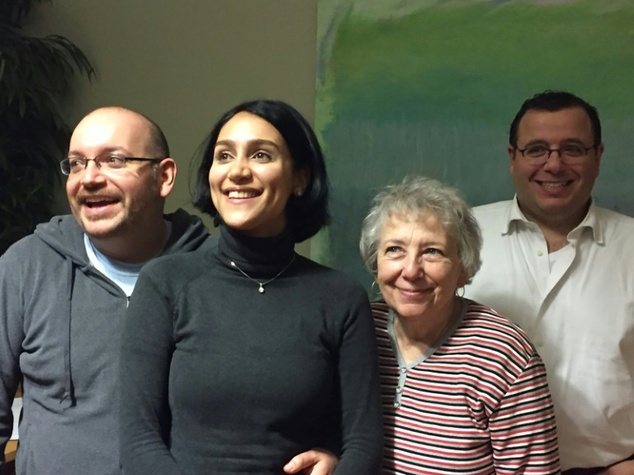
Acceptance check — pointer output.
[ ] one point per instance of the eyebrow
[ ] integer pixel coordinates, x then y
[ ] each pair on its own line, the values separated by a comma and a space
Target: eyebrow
564, 141
120, 150
256, 142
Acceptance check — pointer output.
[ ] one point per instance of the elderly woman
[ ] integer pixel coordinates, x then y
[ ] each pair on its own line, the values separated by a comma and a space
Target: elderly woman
463, 390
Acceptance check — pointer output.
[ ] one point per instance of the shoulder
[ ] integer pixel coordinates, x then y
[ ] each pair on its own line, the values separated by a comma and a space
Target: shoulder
614, 220
21, 259
176, 270
492, 210
380, 309
329, 279
34, 269
334, 295
65, 225
615, 238
188, 233
48, 242
24, 248
380, 314
180, 262
490, 330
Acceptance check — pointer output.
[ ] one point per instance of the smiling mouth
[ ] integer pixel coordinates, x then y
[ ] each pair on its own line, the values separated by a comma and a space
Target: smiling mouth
98, 202
242, 194
553, 185
412, 291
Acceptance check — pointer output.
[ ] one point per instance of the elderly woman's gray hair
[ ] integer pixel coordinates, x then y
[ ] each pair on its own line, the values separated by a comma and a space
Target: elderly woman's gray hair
416, 198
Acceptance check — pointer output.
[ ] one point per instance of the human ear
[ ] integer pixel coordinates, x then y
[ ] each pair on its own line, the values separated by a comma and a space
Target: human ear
300, 182
511, 151
166, 176
463, 278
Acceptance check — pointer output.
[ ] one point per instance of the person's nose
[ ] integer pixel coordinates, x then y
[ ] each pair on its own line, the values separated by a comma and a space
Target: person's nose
91, 175
554, 162
413, 267
240, 169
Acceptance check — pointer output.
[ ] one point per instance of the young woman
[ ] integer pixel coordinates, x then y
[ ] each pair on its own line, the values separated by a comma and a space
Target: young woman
237, 359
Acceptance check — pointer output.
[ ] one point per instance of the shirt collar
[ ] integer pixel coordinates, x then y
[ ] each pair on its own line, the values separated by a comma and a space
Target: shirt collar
590, 221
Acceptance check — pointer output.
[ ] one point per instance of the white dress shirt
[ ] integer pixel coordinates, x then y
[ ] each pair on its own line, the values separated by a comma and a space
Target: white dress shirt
577, 306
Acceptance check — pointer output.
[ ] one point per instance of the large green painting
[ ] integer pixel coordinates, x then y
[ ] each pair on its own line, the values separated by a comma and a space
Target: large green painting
430, 87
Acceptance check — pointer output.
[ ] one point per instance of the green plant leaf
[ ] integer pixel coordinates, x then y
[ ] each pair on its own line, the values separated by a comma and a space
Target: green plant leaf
36, 76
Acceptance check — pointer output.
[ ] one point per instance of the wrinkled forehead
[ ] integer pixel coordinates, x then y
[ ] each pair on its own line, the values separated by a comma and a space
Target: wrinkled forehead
111, 129
419, 217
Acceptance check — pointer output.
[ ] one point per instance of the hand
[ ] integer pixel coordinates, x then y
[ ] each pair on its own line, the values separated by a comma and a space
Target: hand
622, 468
313, 462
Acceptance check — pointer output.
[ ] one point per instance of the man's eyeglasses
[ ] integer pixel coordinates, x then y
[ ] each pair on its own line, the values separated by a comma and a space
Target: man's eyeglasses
110, 161
569, 153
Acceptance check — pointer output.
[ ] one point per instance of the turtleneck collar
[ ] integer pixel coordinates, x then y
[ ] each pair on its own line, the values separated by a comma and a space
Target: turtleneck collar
256, 254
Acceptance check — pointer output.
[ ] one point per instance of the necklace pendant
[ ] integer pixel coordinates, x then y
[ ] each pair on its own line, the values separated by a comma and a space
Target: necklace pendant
262, 284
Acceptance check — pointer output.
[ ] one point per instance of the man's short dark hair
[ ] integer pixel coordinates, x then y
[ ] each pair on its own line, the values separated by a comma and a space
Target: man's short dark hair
553, 101
307, 213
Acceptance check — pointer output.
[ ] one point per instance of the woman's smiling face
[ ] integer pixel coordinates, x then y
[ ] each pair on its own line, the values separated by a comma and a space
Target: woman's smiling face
418, 267
252, 176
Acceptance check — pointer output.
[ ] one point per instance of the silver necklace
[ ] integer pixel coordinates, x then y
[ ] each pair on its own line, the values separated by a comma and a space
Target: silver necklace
262, 284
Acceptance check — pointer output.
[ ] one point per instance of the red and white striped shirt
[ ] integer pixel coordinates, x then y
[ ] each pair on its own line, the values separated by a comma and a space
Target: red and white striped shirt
477, 404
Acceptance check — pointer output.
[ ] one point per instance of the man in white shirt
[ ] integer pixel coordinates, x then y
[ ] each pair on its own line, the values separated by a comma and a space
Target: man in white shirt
563, 269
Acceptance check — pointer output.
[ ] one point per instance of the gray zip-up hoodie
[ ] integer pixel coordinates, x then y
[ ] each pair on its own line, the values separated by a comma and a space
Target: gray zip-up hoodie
60, 322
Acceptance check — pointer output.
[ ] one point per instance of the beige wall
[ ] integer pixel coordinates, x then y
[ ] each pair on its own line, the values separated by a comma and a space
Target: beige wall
185, 62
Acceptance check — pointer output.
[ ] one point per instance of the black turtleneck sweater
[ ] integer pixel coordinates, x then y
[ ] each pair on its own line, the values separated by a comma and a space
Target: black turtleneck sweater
218, 378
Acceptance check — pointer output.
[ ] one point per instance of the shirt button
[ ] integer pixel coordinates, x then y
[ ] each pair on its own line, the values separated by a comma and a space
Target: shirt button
540, 253
397, 404
403, 370
399, 389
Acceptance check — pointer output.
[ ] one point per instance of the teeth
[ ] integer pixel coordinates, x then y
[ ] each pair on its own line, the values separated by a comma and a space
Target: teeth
551, 184
241, 194
98, 201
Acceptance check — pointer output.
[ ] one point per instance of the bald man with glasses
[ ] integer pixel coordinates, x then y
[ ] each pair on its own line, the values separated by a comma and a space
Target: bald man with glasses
64, 291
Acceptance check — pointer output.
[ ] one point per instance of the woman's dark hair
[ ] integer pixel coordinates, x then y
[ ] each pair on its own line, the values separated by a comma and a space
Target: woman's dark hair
307, 213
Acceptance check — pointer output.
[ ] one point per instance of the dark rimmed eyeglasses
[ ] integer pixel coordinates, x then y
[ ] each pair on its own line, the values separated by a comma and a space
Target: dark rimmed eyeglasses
109, 161
569, 153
